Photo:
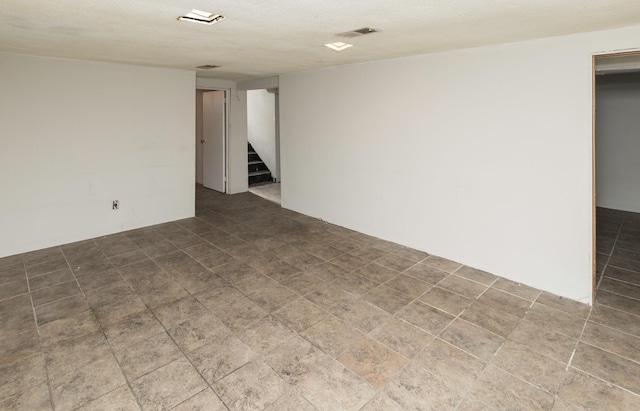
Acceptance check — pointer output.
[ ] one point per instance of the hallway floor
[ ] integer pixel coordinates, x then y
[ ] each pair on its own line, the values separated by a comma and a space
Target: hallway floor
249, 306
268, 191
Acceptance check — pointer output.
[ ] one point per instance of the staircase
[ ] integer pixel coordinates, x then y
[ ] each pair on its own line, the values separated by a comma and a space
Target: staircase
258, 170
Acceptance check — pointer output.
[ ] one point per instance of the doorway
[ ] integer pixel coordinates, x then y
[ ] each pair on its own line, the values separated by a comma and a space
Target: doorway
263, 136
211, 139
616, 171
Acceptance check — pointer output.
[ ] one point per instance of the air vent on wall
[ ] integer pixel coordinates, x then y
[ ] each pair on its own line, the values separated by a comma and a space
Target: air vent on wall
358, 33
207, 67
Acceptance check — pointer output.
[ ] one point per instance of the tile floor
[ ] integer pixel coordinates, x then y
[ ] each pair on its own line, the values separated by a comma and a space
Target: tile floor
268, 191
250, 307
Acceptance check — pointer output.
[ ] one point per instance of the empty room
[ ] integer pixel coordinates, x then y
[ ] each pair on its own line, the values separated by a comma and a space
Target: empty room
455, 224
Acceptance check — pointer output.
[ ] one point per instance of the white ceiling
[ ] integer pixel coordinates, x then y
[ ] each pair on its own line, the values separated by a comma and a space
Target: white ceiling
262, 38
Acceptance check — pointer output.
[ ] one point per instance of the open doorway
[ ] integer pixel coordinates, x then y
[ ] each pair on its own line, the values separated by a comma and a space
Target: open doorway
211, 139
616, 203
263, 160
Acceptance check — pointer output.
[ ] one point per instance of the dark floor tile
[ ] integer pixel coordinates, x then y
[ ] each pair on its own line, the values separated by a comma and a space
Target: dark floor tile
417, 389
496, 321
539, 339
408, 285
334, 387
387, 298
503, 391
427, 273
168, 386
13, 288
372, 361
50, 279
253, 387
147, 355
462, 286
537, 369
47, 267
612, 340
505, 302
42, 256
590, 393
555, 320
16, 346
445, 300
472, 339
425, 317
451, 364
565, 304
20, 375
61, 309
611, 317
618, 301
607, 366
55, 293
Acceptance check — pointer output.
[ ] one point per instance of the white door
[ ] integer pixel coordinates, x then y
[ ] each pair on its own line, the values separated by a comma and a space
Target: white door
213, 140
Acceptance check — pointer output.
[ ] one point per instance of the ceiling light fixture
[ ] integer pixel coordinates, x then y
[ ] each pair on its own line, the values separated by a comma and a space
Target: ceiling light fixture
202, 17
207, 67
338, 46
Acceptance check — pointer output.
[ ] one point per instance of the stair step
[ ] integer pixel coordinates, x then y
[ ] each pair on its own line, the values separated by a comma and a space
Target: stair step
259, 173
255, 162
252, 152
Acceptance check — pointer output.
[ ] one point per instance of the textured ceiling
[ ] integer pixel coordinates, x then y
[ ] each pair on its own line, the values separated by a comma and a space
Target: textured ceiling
266, 38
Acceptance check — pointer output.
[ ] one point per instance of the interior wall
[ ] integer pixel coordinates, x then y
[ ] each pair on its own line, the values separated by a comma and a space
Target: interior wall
482, 156
77, 135
198, 136
261, 127
618, 141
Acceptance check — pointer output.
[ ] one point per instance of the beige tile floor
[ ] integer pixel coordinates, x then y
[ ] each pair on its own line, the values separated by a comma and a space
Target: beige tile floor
250, 307
268, 191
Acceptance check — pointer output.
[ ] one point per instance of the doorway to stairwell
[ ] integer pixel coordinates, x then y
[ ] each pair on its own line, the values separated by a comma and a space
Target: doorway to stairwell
263, 149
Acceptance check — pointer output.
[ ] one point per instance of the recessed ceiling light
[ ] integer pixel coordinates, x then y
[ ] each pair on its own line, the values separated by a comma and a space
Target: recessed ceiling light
338, 46
202, 17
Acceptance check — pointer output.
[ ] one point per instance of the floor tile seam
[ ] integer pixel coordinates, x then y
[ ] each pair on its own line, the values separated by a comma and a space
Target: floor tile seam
606, 263
622, 357
456, 318
40, 262
475, 401
469, 390
609, 327
605, 381
181, 350
619, 294
529, 383
617, 308
637, 284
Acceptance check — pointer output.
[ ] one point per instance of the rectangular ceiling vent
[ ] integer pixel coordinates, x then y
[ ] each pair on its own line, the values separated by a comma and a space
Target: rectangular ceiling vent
358, 33
202, 17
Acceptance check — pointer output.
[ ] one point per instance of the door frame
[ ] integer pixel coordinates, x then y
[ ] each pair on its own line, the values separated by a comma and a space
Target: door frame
594, 57
227, 93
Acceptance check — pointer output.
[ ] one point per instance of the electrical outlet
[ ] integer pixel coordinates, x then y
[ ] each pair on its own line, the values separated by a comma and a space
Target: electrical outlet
116, 205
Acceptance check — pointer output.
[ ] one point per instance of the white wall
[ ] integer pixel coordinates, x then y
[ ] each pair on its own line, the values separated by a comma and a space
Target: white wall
198, 136
482, 156
237, 173
261, 127
618, 144
77, 135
